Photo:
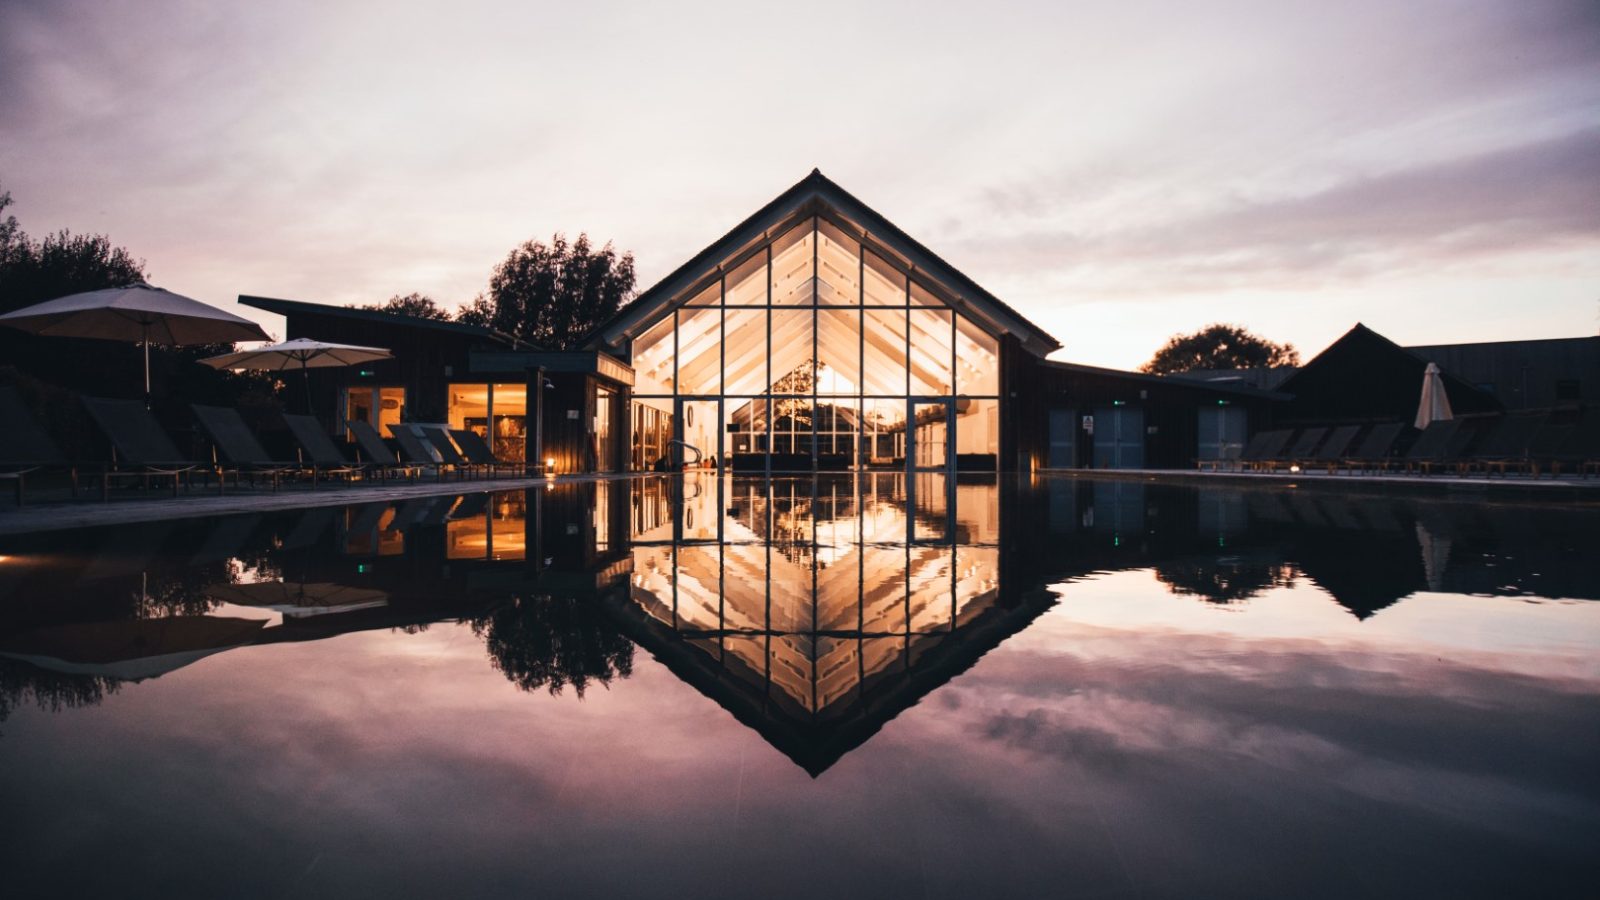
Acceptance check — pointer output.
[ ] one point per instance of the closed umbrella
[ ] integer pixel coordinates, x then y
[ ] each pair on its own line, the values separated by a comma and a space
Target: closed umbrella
1435, 405
134, 313
300, 353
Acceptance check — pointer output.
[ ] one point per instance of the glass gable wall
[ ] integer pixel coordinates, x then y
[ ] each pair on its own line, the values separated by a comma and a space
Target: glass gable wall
810, 352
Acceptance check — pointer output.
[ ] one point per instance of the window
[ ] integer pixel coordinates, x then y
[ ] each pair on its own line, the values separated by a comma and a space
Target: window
497, 412
379, 407
815, 343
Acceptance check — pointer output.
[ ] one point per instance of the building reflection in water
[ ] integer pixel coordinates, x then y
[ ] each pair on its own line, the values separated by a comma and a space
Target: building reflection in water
813, 609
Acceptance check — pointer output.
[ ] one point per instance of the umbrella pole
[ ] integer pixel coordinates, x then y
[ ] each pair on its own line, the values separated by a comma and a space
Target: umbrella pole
146, 343
305, 379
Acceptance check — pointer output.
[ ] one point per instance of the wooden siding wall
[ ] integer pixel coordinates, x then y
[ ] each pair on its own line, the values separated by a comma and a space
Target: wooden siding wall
421, 359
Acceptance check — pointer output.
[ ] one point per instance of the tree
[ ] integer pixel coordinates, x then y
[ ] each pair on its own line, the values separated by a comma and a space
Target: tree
552, 295
33, 271
413, 304
1219, 346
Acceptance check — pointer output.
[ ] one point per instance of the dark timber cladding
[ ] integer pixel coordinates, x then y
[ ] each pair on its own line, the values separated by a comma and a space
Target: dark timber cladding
1365, 377
1167, 413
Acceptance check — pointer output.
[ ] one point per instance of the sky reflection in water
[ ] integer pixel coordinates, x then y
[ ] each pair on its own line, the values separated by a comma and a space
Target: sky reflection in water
804, 687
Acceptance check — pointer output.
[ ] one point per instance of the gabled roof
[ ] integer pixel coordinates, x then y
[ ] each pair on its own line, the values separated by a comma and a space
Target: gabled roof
811, 194
1364, 374
299, 307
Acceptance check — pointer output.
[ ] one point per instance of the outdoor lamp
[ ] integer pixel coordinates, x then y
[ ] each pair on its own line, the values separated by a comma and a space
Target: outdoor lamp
549, 466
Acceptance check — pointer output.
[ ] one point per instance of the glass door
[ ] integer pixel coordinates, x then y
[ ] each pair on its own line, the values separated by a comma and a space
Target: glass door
929, 434
698, 432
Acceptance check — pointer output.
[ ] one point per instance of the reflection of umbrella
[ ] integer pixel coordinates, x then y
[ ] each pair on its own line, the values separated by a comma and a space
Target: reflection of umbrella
137, 312
301, 353
1435, 405
132, 650
1435, 556
297, 599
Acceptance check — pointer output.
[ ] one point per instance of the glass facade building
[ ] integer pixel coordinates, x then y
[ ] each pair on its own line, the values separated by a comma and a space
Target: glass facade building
815, 347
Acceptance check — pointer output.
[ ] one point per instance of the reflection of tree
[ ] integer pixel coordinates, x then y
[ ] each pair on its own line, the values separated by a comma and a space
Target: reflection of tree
52, 691
1223, 581
551, 642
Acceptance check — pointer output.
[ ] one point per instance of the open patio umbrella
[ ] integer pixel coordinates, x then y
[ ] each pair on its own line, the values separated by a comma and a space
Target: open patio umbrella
299, 599
135, 313
301, 353
1435, 405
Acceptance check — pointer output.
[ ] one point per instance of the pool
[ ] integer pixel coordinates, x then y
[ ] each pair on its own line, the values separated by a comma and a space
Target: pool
866, 685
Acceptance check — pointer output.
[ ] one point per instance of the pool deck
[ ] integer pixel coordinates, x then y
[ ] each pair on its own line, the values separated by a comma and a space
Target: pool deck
1563, 489
60, 514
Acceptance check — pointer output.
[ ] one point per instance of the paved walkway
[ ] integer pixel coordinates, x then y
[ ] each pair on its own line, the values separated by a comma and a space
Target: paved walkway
1567, 487
54, 516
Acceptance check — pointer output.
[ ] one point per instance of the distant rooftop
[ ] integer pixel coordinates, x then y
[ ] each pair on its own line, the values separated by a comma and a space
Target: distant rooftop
300, 307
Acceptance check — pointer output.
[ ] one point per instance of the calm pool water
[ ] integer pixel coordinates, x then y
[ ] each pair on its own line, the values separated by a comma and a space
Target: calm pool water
832, 687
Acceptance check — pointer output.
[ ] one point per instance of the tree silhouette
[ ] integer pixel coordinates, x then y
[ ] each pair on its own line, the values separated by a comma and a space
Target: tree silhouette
413, 304
554, 294
1219, 346
552, 642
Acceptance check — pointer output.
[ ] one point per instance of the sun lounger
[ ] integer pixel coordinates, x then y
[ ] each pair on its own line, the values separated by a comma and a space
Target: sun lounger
1505, 447
138, 441
1300, 451
478, 451
1376, 449
416, 452
439, 439
1335, 447
234, 441
318, 452
25, 447
1265, 446
1547, 450
377, 453
1439, 444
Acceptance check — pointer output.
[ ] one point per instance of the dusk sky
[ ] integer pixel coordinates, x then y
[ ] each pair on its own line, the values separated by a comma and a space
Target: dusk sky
1116, 171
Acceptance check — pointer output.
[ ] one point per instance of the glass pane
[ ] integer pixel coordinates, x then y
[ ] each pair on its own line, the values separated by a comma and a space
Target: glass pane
358, 405
508, 427
932, 353
711, 295
792, 351
391, 408
977, 359
838, 267
745, 352
883, 432
921, 296
652, 428
653, 359
700, 350
885, 285
747, 434
792, 255
931, 434
792, 422
884, 367
838, 351
977, 434
837, 422
746, 285
467, 407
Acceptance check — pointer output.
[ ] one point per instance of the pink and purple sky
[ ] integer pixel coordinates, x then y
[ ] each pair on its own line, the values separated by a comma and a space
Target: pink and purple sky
1118, 172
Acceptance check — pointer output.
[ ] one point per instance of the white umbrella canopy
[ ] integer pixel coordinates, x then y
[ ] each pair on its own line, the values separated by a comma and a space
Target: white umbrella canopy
299, 353
136, 313
1435, 403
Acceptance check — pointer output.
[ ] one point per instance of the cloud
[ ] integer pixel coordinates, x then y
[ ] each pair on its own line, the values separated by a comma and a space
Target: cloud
1538, 196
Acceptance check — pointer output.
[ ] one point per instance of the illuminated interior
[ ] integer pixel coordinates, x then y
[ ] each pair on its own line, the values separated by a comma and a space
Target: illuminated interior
497, 412
807, 353
379, 407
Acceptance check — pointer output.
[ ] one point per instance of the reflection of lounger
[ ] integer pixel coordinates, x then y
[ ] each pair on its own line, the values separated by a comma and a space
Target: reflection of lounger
367, 519
224, 539
309, 528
